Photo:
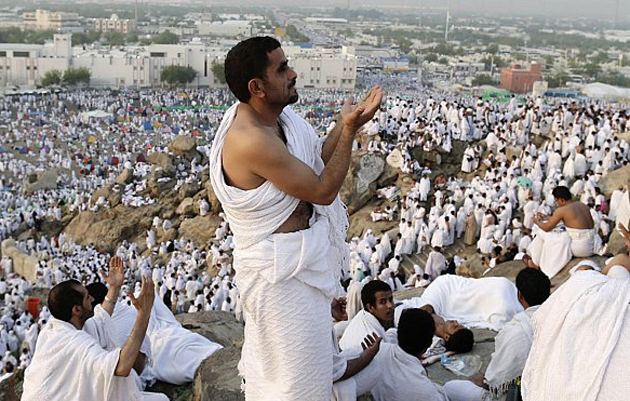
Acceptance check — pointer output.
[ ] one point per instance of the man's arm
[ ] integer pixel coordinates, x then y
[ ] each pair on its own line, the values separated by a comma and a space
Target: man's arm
368, 102
551, 223
130, 350
371, 345
274, 163
114, 278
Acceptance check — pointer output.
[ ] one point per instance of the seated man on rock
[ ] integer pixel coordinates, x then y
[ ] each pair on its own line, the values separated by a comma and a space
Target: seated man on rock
70, 364
403, 378
552, 249
377, 316
511, 345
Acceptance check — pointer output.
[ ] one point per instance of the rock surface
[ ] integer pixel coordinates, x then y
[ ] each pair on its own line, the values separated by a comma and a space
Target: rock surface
614, 180
23, 264
44, 180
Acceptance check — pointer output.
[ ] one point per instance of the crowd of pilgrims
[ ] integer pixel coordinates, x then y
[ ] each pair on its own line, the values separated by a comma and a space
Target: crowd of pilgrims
505, 179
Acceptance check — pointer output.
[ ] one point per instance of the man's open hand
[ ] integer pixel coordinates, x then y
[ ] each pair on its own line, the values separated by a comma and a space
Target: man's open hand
115, 276
371, 344
144, 302
353, 116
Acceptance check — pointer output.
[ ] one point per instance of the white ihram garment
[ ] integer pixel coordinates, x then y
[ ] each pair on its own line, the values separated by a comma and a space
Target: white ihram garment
286, 281
69, 364
581, 342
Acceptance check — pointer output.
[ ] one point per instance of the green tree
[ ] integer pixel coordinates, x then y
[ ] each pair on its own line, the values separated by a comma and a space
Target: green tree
114, 38
218, 70
483, 79
176, 74
492, 48
52, 77
443, 60
77, 76
85, 38
166, 38
431, 58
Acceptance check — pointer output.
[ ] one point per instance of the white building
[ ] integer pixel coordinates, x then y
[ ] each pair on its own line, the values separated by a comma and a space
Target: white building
44, 19
25, 65
230, 28
323, 68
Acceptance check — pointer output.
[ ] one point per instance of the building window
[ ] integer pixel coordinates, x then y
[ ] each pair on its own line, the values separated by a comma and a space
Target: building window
158, 54
3, 54
21, 54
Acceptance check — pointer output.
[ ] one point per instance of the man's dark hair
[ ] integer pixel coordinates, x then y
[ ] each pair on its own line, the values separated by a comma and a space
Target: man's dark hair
461, 341
247, 60
561, 192
415, 331
98, 291
534, 286
62, 298
368, 293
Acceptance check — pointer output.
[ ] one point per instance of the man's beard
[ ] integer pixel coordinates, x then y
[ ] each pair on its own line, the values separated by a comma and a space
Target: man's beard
294, 98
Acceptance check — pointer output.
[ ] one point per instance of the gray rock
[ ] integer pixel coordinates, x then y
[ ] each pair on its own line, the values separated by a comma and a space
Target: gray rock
160, 159
200, 229
186, 207
218, 327
45, 180
217, 378
23, 264
614, 180
125, 177
182, 144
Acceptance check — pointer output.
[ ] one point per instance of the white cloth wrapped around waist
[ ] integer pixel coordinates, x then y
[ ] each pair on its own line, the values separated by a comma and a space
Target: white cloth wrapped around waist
286, 283
303, 255
584, 242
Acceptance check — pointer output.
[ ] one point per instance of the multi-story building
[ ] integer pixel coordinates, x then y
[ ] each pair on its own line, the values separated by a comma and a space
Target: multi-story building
114, 23
517, 79
44, 19
25, 65
323, 68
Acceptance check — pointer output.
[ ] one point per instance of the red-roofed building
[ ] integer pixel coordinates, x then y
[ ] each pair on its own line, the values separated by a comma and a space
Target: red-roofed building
516, 79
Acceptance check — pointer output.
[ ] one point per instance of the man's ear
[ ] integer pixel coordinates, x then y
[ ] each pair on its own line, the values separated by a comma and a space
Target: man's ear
256, 87
76, 310
370, 308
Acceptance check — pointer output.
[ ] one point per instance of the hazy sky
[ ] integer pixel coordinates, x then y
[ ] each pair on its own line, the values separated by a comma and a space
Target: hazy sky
595, 8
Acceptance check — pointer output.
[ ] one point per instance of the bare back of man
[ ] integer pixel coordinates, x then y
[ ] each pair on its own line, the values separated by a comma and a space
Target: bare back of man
248, 133
575, 215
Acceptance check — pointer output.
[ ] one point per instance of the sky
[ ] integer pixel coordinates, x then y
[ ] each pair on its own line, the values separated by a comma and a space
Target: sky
602, 9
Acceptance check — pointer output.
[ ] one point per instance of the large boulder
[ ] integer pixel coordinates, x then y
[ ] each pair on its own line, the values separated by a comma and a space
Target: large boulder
200, 229
160, 159
45, 180
360, 182
23, 264
125, 177
614, 180
186, 207
217, 378
182, 145
215, 205
218, 327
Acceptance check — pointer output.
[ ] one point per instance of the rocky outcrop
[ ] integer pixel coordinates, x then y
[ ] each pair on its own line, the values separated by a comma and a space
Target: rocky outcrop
125, 177
160, 159
182, 144
360, 183
200, 229
614, 180
44, 180
23, 264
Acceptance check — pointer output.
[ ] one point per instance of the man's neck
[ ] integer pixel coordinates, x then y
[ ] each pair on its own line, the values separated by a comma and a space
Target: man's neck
265, 113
